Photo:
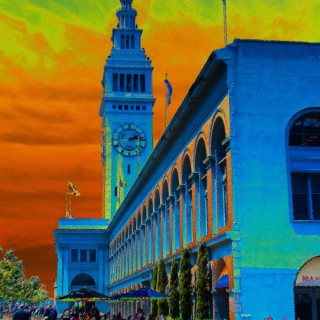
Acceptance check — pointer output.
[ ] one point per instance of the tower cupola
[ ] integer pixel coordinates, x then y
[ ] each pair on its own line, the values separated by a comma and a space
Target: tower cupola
126, 15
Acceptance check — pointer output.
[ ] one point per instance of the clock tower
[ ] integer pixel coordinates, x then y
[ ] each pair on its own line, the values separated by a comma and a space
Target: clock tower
126, 110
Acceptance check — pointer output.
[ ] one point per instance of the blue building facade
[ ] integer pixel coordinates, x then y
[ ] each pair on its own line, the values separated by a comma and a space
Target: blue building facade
81, 247
238, 169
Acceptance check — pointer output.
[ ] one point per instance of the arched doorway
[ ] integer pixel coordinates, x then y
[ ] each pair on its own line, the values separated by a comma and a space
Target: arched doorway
82, 280
221, 294
307, 291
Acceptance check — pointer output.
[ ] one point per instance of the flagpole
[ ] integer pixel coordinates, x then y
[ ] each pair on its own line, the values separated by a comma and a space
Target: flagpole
166, 116
225, 22
68, 202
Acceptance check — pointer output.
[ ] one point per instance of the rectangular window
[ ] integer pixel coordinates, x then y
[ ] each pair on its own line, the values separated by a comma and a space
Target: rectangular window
135, 83
92, 255
83, 255
132, 42
129, 169
115, 191
122, 41
121, 82
127, 41
306, 196
74, 255
115, 82
142, 83
129, 85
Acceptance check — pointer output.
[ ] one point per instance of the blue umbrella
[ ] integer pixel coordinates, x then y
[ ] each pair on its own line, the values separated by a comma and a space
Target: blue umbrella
116, 296
144, 293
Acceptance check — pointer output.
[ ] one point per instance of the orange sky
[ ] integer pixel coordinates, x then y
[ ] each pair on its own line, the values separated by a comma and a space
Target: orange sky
52, 54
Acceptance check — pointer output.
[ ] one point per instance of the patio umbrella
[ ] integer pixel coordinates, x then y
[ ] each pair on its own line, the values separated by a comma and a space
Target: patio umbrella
144, 294
116, 297
84, 294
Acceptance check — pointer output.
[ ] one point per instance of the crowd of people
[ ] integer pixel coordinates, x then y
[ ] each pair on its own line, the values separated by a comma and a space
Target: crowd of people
23, 312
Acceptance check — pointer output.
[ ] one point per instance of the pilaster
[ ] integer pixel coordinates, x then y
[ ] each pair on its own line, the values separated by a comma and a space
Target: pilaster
194, 177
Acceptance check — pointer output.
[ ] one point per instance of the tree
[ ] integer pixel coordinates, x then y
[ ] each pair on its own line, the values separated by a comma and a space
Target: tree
185, 302
174, 291
11, 276
154, 287
13, 284
162, 282
33, 291
202, 284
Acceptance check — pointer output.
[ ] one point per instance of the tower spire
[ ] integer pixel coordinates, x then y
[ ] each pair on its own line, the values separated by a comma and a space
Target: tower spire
126, 108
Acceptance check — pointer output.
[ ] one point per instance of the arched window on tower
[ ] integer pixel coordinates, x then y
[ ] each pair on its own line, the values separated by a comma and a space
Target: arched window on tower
304, 147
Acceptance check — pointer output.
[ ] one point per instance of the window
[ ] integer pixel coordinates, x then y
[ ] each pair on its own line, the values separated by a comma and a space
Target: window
115, 82
132, 42
306, 196
304, 143
127, 41
83, 255
115, 191
306, 131
129, 85
121, 82
74, 255
92, 255
122, 41
142, 83
135, 83
129, 169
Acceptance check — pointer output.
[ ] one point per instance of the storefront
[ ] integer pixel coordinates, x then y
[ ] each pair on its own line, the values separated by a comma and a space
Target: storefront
307, 291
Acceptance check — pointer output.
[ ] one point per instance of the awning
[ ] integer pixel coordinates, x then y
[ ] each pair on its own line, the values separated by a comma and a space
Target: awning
223, 282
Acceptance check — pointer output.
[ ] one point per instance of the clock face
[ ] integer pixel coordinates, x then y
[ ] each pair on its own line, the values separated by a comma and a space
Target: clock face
129, 139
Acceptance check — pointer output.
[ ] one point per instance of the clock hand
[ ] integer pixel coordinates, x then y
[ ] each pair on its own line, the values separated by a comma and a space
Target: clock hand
135, 137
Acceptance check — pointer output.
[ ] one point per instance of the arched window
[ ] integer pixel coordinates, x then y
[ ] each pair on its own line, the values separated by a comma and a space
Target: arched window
175, 211
305, 131
156, 237
150, 231
186, 171
219, 153
201, 155
83, 280
304, 147
164, 218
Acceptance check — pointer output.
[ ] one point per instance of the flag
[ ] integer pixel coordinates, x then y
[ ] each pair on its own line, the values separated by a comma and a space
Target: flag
122, 183
168, 91
72, 190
